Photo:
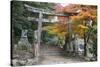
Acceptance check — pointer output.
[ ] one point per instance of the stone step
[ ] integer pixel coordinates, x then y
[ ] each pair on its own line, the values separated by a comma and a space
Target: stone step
54, 53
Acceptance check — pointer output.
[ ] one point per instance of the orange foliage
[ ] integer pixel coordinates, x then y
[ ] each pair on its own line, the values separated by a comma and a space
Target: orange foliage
59, 29
85, 13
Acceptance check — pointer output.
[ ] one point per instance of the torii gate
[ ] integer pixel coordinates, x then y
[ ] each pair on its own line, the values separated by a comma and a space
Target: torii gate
40, 20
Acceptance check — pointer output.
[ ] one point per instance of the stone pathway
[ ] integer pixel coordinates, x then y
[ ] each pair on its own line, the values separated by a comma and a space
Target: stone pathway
60, 60
51, 55
55, 55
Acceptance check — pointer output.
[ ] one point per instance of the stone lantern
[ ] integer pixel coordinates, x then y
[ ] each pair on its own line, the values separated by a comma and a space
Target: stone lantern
23, 43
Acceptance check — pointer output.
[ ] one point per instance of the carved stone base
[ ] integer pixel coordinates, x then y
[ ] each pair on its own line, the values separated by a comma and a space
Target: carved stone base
23, 44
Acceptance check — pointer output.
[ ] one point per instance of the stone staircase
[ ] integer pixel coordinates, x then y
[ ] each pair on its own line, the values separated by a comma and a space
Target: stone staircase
51, 50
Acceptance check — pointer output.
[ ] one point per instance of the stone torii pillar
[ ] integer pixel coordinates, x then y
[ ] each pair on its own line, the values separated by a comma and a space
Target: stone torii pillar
38, 38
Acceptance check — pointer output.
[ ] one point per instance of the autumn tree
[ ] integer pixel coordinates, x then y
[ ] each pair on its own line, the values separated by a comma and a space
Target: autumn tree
85, 20
81, 23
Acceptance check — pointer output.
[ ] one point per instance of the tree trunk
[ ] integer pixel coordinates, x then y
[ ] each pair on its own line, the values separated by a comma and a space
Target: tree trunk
65, 46
85, 44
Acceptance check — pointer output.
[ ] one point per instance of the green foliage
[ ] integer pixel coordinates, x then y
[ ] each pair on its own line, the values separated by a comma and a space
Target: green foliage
93, 37
19, 17
49, 38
